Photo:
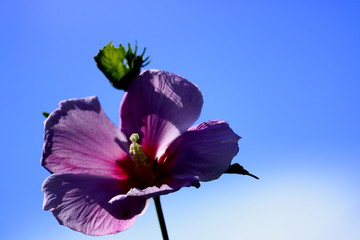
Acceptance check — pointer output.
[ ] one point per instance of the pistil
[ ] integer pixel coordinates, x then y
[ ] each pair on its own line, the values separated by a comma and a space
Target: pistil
136, 151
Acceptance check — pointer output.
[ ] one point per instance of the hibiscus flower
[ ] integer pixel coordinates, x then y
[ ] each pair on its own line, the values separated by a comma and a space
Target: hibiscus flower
102, 177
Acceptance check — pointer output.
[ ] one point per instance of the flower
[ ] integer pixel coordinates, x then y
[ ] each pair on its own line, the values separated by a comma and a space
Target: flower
102, 177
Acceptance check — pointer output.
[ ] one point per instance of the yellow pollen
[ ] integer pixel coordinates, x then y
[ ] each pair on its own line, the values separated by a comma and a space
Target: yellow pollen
136, 151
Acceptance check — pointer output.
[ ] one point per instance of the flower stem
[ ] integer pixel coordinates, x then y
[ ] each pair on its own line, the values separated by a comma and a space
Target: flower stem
161, 218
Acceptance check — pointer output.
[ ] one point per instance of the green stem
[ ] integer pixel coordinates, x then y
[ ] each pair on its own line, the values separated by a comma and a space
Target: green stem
161, 218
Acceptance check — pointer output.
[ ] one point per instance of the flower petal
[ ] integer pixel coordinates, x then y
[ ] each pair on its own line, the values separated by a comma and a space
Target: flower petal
81, 202
79, 138
204, 152
172, 186
159, 106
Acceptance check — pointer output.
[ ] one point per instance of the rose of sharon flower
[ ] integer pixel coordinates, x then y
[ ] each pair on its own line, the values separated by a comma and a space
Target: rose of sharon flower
102, 177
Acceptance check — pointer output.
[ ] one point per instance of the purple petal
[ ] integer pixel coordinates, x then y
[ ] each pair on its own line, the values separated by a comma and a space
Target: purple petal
79, 138
171, 186
81, 202
159, 106
204, 152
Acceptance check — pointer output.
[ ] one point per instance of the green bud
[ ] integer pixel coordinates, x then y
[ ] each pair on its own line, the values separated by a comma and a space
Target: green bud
46, 114
119, 65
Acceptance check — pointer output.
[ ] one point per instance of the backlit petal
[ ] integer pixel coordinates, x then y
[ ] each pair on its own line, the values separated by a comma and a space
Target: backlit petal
159, 106
79, 138
204, 152
81, 202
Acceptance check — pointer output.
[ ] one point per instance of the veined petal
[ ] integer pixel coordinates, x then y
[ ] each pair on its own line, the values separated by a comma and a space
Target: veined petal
159, 106
204, 152
81, 202
79, 138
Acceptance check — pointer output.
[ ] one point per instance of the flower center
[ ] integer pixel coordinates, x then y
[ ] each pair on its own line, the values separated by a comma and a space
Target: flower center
144, 167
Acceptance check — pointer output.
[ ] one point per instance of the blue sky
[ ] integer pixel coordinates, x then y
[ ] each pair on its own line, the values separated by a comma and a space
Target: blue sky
284, 74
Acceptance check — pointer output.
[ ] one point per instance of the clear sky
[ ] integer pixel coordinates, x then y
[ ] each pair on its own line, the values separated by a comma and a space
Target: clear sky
284, 74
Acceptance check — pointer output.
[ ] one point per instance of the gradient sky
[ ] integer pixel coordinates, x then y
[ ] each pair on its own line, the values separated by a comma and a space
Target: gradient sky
284, 74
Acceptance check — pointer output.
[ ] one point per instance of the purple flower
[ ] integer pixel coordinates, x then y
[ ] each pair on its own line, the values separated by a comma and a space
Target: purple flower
102, 177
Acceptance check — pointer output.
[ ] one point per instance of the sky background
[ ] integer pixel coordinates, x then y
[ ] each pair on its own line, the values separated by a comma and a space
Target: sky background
284, 74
